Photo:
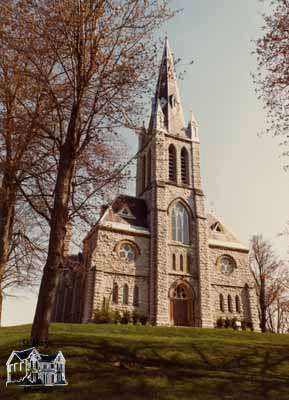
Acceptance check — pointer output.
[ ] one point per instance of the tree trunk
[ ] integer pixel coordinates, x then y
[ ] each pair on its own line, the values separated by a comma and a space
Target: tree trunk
54, 262
263, 304
1, 303
7, 211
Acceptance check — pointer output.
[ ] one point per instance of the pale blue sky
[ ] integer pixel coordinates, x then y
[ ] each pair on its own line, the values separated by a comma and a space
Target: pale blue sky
242, 173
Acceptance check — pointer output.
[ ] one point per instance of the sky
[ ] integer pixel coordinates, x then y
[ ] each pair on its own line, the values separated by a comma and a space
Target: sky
243, 176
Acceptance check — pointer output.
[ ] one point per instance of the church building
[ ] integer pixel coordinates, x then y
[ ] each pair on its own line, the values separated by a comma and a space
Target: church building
160, 254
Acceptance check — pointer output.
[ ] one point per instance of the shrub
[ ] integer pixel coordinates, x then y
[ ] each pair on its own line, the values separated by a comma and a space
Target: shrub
246, 325
126, 318
228, 323
220, 323
143, 319
135, 317
233, 323
117, 317
243, 325
102, 317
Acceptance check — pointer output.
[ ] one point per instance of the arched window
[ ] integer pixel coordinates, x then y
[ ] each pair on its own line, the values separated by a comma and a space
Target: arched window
180, 224
181, 262
222, 307
184, 165
230, 305
115, 293
125, 294
174, 262
238, 305
136, 296
149, 166
143, 172
188, 263
172, 164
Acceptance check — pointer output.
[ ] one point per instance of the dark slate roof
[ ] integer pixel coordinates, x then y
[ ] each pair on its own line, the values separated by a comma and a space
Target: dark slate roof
48, 358
24, 353
137, 207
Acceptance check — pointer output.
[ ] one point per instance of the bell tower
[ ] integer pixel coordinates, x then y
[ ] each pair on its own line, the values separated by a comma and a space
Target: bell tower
169, 179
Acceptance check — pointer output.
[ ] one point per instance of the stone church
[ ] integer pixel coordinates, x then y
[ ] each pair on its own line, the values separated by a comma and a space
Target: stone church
159, 253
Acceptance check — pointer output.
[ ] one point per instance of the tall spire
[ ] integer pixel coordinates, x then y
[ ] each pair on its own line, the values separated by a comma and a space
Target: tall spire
168, 97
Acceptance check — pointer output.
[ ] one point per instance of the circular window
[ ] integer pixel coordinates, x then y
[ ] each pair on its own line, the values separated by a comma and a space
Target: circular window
127, 252
227, 265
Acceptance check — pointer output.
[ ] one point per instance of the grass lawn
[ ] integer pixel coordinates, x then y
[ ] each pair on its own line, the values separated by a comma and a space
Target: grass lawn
127, 362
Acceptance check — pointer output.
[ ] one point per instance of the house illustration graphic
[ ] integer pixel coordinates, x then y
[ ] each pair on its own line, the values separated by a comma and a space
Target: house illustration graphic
29, 367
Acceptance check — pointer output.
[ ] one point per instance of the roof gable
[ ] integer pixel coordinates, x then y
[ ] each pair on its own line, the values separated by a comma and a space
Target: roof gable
23, 355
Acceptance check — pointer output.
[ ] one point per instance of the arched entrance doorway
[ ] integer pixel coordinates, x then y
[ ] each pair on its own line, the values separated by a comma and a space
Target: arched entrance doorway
181, 304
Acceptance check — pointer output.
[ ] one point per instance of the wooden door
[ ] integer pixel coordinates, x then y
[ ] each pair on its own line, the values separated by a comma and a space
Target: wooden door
180, 312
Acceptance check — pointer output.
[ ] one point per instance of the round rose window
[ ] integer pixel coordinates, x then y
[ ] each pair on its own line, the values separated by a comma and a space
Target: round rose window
227, 265
127, 252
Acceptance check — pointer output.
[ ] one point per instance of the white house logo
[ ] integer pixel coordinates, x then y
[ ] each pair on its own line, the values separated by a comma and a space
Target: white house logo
31, 368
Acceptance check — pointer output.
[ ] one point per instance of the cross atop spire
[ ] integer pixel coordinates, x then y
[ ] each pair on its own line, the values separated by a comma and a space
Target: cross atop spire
167, 97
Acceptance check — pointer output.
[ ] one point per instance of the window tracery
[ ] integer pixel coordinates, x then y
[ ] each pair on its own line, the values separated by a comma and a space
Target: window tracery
180, 293
227, 265
180, 224
127, 251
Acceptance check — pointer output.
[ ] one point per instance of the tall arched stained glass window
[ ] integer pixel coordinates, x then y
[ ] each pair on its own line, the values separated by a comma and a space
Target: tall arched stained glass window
180, 224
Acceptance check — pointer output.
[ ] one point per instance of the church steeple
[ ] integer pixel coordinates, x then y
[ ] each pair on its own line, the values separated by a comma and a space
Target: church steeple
167, 97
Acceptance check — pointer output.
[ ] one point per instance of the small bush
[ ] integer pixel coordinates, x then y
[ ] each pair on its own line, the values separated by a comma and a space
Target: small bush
143, 319
102, 317
117, 317
126, 318
246, 325
233, 323
135, 317
228, 323
220, 323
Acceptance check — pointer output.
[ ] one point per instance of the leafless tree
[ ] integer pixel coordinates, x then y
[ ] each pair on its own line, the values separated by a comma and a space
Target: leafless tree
22, 105
93, 59
271, 281
272, 78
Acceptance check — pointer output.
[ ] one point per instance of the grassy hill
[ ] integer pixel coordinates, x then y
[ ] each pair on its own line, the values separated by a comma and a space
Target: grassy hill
126, 362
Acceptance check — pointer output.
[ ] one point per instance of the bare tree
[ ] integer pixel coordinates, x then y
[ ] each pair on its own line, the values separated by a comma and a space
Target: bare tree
270, 279
94, 60
272, 78
22, 105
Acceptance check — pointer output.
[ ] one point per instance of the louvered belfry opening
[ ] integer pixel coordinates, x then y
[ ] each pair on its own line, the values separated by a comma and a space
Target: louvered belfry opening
172, 164
184, 165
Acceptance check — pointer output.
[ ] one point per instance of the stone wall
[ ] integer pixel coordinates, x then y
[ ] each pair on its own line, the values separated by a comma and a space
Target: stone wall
110, 269
239, 282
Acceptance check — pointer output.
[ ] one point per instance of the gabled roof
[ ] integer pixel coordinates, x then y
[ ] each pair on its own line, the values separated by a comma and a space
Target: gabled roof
220, 236
25, 354
136, 206
22, 354
51, 357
